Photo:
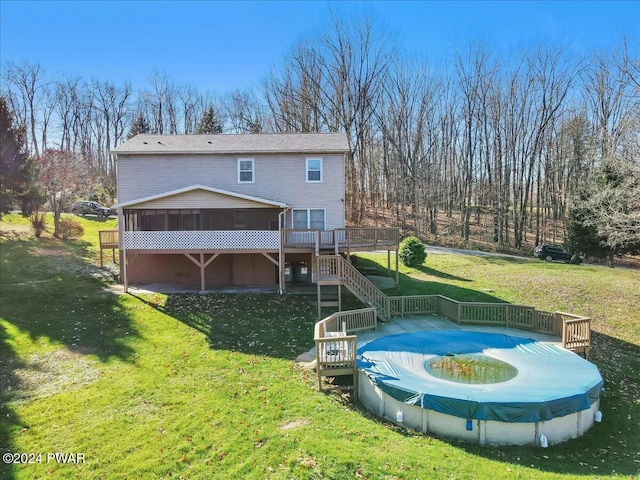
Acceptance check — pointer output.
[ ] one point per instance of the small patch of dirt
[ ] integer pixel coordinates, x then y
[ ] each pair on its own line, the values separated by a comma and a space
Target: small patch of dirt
50, 373
53, 252
16, 232
293, 424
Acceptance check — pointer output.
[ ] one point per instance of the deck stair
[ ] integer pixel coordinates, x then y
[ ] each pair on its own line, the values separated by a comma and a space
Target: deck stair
335, 270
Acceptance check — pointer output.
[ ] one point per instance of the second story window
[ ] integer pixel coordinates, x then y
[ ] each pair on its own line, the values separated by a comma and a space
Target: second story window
314, 170
246, 170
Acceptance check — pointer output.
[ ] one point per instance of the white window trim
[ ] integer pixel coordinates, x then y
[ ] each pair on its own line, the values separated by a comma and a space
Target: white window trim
306, 170
308, 211
253, 169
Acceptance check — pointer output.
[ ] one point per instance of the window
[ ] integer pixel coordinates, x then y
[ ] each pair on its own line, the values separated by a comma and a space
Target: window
314, 170
316, 219
308, 218
300, 219
246, 173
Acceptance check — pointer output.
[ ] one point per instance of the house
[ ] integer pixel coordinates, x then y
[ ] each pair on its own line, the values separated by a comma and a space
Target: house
204, 211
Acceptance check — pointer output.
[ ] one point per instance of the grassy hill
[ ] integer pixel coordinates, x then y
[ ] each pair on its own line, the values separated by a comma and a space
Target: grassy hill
206, 387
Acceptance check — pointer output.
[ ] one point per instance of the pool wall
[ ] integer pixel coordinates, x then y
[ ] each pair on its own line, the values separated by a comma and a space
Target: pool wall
484, 432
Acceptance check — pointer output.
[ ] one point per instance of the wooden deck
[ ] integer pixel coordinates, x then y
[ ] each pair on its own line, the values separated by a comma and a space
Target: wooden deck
339, 240
342, 240
336, 342
108, 241
574, 330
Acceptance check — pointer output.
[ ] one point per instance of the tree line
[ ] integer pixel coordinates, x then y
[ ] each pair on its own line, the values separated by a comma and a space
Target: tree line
504, 146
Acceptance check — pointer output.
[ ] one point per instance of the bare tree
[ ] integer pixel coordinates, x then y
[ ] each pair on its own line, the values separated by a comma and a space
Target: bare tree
407, 120
157, 99
60, 173
245, 113
611, 104
27, 82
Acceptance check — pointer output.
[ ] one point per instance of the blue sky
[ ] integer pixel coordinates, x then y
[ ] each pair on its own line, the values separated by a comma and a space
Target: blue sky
222, 45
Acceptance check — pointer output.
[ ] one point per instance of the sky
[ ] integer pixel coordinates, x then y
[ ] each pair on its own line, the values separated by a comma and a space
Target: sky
220, 46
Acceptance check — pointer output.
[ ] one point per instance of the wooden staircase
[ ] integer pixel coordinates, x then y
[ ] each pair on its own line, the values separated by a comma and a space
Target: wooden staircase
335, 270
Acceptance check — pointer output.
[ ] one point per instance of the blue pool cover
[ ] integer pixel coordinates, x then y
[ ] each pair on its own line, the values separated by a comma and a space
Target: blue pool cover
550, 381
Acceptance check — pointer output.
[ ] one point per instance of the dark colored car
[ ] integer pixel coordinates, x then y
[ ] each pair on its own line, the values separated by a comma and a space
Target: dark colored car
551, 252
86, 207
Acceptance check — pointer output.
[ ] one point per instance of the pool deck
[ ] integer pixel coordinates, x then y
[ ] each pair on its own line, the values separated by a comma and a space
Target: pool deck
427, 323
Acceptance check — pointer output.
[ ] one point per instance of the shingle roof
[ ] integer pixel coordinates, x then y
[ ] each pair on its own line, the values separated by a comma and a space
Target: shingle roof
235, 144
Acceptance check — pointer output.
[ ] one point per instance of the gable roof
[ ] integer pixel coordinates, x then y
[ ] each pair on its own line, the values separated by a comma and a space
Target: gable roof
235, 144
192, 188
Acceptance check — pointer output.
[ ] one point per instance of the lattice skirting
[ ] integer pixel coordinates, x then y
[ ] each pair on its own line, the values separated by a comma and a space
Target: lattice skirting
202, 240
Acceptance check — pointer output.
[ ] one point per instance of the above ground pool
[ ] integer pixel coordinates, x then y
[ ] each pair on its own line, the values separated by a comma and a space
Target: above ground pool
511, 389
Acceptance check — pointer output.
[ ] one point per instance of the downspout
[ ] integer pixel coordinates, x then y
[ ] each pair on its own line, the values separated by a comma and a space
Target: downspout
123, 249
281, 250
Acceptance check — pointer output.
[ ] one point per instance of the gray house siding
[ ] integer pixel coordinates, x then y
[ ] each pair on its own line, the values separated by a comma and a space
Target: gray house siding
276, 177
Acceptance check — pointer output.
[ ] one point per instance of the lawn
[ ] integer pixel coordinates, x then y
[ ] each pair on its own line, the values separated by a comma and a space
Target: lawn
206, 386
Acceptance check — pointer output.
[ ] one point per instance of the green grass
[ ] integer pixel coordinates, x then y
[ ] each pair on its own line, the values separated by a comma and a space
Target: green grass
190, 386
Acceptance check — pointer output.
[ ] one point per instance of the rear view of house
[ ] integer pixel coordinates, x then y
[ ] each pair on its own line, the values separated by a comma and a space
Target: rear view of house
203, 211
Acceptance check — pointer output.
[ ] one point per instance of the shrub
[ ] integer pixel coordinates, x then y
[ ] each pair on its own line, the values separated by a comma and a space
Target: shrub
69, 228
38, 223
575, 260
412, 252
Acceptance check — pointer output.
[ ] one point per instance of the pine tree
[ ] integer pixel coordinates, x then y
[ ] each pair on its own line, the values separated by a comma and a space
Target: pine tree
13, 160
210, 122
582, 236
140, 125
605, 219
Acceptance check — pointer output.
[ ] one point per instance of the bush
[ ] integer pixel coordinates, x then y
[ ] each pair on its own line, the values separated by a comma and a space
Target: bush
38, 223
412, 252
575, 260
69, 228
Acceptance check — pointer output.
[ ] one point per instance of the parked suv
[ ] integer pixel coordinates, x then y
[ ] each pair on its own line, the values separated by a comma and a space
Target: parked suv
90, 208
551, 252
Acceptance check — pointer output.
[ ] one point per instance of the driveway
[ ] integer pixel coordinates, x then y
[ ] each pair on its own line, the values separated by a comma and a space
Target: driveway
445, 250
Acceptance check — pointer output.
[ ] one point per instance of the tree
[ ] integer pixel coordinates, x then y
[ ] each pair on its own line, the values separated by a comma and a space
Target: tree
412, 252
581, 235
60, 174
13, 160
245, 113
609, 210
27, 85
140, 125
210, 122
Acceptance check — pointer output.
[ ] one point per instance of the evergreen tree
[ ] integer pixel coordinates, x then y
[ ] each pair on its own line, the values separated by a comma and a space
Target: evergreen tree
606, 216
13, 160
210, 122
582, 236
140, 125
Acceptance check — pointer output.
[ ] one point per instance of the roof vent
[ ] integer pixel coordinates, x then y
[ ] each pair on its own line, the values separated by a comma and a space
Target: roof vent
145, 143
160, 143
210, 141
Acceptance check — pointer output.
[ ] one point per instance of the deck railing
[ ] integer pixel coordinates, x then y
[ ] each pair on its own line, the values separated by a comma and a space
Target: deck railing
352, 238
341, 238
108, 241
108, 238
334, 267
414, 305
202, 240
336, 349
574, 330
348, 322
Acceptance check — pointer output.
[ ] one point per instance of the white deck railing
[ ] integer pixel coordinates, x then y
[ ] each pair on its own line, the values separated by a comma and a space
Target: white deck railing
203, 240
350, 238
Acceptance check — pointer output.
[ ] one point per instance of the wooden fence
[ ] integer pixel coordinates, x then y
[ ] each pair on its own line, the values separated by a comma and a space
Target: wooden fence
108, 241
575, 330
336, 349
